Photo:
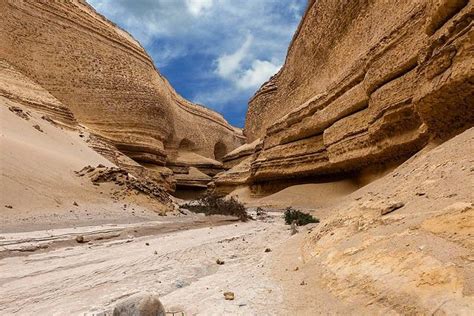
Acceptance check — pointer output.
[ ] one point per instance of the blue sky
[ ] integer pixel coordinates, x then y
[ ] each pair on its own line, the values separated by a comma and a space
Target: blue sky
214, 52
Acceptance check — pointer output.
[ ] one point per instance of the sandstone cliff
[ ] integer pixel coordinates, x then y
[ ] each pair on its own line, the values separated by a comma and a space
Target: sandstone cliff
364, 82
106, 81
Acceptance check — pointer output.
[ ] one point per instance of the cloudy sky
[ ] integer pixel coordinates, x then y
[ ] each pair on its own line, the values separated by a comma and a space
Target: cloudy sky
214, 52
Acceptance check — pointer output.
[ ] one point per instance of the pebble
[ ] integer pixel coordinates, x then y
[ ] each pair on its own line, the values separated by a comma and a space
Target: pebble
229, 296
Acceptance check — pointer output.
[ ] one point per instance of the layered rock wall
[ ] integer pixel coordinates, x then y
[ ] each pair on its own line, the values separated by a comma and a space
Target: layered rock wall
364, 82
107, 82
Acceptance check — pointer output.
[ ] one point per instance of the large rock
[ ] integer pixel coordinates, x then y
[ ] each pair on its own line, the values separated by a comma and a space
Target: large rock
140, 305
102, 76
364, 83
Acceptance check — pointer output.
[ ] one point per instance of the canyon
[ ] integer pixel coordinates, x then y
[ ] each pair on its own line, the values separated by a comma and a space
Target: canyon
103, 79
368, 125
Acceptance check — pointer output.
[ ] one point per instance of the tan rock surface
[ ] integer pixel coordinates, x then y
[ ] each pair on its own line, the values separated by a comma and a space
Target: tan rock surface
414, 260
364, 83
106, 79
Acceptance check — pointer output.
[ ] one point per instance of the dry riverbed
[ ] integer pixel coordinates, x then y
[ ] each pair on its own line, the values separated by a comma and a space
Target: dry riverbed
180, 266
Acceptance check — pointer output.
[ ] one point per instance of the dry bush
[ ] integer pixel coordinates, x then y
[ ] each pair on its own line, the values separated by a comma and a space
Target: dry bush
299, 217
213, 205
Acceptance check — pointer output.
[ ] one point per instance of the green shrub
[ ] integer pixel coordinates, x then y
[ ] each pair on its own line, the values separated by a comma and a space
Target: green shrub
298, 216
213, 205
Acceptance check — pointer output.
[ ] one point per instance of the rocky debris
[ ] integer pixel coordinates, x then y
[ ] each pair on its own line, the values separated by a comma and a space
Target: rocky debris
229, 296
294, 229
33, 248
220, 262
140, 305
391, 208
180, 284
9, 206
262, 215
48, 119
19, 111
38, 128
125, 181
80, 239
184, 211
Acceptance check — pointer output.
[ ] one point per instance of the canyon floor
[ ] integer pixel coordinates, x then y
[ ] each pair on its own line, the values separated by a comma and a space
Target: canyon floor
417, 259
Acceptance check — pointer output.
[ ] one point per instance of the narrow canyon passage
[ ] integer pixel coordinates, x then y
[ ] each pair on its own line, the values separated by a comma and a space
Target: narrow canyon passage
170, 156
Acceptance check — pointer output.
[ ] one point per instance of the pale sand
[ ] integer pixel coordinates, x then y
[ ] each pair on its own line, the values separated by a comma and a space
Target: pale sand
183, 272
305, 196
38, 182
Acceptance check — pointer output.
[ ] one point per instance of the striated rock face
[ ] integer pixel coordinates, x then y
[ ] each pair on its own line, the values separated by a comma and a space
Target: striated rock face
106, 81
364, 82
18, 88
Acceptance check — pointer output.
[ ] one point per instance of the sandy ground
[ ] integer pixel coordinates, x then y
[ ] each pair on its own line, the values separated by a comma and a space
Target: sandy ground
416, 260
38, 185
180, 266
304, 196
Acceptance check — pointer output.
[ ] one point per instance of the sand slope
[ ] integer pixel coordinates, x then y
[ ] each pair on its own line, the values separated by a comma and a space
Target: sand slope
37, 177
418, 259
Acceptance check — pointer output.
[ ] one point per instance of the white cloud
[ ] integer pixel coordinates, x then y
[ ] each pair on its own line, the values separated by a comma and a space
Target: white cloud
227, 47
243, 70
196, 7
227, 65
217, 97
255, 76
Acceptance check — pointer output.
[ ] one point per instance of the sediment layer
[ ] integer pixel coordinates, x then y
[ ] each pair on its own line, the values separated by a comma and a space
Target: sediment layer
106, 81
364, 83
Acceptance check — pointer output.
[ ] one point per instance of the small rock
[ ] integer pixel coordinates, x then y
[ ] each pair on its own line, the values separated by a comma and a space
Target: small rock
296, 269
391, 208
80, 239
294, 230
147, 244
9, 206
229, 296
268, 250
220, 262
37, 127
75, 203
156, 252
303, 283
18, 111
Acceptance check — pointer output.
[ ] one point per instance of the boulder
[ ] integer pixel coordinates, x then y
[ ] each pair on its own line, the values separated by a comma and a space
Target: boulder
140, 305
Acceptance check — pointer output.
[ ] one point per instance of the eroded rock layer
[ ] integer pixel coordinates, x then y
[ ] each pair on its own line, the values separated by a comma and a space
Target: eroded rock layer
107, 81
364, 82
